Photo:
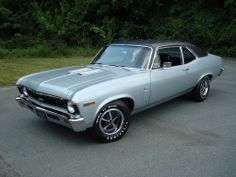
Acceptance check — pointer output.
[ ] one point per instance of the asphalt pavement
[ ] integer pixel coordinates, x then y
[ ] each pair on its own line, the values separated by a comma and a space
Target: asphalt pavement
177, 138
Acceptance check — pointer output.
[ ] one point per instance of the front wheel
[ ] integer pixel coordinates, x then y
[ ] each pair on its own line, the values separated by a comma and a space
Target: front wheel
202, 89
112, 122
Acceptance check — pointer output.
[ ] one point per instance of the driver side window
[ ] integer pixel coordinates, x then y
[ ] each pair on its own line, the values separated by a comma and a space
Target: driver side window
167, 57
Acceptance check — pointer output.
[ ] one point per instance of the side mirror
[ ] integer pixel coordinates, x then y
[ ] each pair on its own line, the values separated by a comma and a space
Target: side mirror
167, 64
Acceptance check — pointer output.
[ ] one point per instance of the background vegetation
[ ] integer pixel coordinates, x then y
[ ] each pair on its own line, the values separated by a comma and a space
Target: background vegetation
42, 28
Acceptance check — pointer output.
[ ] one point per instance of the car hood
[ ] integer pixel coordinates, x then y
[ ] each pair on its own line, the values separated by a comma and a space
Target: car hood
64, 82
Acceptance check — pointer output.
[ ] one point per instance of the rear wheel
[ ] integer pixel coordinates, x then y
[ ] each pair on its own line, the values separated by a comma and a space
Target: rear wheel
202, 89
112, 122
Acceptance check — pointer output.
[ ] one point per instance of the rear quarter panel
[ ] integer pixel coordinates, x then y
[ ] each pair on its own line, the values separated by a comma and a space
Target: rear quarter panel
208, 65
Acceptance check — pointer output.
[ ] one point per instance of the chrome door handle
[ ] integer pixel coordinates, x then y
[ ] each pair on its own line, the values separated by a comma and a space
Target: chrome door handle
186, 69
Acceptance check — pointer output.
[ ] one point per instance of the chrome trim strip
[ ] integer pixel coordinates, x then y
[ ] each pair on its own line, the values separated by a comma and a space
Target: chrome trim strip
19, 101
91, 61
155, 55
190, 50
77, 120
182, 54
50, 112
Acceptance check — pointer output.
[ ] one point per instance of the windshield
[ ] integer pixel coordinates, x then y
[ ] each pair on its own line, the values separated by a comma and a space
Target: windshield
124, 56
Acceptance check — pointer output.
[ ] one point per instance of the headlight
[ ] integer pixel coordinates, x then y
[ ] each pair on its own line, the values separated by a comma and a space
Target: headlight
70, 108
25, 91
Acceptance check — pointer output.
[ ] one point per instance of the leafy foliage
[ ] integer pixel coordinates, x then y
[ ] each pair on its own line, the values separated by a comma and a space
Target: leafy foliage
210, 24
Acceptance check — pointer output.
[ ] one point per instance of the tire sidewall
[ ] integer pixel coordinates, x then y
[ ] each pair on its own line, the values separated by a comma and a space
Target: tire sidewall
109, 138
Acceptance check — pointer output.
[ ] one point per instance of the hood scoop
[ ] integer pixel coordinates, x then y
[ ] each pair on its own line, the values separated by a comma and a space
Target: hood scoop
85, 71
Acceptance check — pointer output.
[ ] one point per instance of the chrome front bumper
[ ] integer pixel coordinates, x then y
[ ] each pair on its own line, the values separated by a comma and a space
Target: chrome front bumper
58, 116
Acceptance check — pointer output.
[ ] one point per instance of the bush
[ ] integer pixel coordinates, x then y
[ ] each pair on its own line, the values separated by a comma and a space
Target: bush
3, 52
62, 27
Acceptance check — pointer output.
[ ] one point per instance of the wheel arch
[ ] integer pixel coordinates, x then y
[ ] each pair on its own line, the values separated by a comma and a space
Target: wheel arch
128, 100
209, 75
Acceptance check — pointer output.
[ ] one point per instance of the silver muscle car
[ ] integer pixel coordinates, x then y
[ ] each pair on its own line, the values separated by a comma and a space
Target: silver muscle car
123, 78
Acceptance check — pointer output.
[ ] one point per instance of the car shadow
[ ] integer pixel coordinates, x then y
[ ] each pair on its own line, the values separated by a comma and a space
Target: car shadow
60, 132
86, 137
166, 106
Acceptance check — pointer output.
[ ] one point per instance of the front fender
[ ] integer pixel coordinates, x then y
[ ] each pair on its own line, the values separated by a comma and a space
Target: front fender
89, 113
111, 99
135, 87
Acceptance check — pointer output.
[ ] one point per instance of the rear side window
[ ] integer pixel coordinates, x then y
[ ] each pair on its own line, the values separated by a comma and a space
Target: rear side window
198, 51
188, 56
172, 55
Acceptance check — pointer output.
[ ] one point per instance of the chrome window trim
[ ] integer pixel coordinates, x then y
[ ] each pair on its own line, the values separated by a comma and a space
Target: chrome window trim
154, 57
130, 45
182, 55
191, 51
91, 61
161, 47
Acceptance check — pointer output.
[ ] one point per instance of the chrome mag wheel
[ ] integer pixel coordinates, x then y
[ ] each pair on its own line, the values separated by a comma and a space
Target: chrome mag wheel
201, 91
204, 87
111, 121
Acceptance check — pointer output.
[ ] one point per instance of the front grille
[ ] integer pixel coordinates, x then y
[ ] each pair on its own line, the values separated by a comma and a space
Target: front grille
47, 99
52, 110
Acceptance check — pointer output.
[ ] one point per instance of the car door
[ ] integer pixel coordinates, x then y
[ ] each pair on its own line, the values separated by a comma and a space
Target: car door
169, 77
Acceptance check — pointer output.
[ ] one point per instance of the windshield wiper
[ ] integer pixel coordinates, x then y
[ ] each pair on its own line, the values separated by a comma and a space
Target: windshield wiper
115, 65
96, 63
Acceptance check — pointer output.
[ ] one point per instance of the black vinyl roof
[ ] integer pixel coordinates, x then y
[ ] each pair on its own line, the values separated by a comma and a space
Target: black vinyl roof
152, 43
159, 43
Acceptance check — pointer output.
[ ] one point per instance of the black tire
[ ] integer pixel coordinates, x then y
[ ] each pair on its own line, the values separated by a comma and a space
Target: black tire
112, 122
201, 91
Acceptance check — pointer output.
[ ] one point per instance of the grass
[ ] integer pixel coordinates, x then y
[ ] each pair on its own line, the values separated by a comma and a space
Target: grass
13, 68
43, 50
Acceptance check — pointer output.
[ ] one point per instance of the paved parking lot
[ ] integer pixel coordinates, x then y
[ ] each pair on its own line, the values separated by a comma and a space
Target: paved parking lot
177, 138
